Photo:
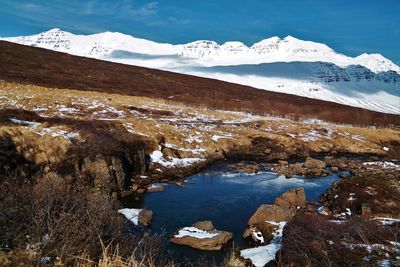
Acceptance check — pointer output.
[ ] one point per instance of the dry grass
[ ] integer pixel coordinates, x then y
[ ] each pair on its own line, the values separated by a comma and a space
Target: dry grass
63, 222
176, 122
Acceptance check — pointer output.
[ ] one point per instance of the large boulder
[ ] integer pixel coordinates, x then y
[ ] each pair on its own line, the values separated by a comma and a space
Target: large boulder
314, 166
312, 163
292, 199
270, 213
263, 223
204, 238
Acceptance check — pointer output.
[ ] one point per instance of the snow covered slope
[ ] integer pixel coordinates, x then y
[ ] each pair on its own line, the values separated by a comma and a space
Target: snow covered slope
286, 65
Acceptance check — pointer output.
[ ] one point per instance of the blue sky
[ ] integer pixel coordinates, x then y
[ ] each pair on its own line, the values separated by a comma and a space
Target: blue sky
348, 26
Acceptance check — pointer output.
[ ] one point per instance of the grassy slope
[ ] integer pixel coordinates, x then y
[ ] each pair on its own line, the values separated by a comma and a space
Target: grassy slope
53, 69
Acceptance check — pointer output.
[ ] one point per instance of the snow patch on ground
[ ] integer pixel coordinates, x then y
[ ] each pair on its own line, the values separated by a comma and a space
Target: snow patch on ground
131, 214
383, 164
386, 220
170, 162
194, 232
56, 132
261, 255
25, 123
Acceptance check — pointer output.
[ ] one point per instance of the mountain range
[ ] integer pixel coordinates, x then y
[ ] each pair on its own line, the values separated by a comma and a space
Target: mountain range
287, 65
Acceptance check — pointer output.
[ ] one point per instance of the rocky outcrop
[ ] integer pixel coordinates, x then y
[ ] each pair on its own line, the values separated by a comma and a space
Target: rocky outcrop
270, 213
311, 166
292, 199
145, 217
113, 172
202, 235
314, 166
157, 187
246, 167
263, 223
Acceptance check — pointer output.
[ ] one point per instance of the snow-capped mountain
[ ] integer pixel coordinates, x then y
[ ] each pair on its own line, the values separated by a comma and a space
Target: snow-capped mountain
288, 65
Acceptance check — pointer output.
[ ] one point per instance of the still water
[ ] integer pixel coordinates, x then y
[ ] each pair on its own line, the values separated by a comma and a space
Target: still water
226, 198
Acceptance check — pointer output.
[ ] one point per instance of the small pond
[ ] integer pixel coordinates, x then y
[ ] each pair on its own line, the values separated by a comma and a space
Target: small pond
226, 198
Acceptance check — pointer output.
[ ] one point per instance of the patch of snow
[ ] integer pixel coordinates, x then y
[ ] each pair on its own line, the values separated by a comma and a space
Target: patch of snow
25, 123
258, 235
385, 148
64, 109
194, 138
348, 212
156, 156
261, 255
170, 162
131, 214
129, 129
55, 132
386, 220
383, 164
156, 186
370, 190
216, 138
176, 162
323, 210
369, 248
194, 232
336, 221
193, 150
352, 198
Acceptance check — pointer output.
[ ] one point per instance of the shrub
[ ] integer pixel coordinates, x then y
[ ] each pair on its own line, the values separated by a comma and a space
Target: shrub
54, 219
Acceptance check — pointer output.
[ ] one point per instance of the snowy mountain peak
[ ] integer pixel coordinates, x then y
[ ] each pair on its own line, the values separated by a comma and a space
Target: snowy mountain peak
289, 65
207, 52
376, 63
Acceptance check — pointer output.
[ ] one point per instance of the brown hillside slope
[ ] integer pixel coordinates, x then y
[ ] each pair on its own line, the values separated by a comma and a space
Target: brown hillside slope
43, 67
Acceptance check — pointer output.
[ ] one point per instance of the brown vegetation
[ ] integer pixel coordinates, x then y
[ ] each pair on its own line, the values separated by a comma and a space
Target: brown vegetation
62, 221
31, 65
313, 240
380, 192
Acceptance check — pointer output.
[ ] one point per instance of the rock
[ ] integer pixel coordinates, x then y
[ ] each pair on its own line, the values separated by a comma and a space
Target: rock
270, 213
125, 193
145, 217
204, 225
246, 167
335, 169
312, 163
179, 183
201, 239
134, 187
292, 199
329, 160
283, 162
155, 188
314, 166
266, 219
297, 168
261, 232
141, 190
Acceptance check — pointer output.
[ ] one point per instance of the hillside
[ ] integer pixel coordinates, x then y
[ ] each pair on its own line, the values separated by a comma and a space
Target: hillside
38, 66
284, 65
